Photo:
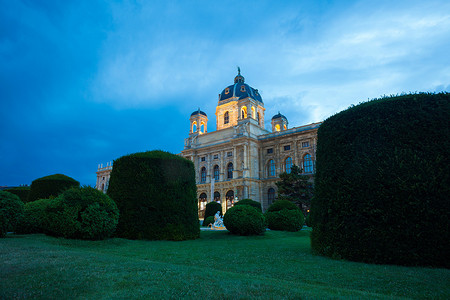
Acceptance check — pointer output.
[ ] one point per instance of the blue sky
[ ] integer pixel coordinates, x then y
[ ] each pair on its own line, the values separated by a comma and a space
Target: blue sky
85, 82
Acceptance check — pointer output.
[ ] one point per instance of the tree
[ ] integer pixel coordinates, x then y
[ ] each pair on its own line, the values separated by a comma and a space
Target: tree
295, 187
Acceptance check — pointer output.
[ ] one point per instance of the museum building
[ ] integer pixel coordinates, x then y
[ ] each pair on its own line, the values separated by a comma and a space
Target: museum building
241, 159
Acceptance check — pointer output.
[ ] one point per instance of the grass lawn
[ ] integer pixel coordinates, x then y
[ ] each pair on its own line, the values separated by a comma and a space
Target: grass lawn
218, 265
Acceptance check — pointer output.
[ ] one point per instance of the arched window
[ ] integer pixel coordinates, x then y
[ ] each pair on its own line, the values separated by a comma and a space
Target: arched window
244, 112
307, 164
226, 118
284, 127
203, 175
202, 127
277, 127
288, 165
271, 168
194, 126
230, 171
259, 118
216, 196
253, 113
202, 205
216, 173
230, 198
270, 196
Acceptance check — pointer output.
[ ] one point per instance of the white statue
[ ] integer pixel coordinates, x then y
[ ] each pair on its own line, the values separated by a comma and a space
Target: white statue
218, 222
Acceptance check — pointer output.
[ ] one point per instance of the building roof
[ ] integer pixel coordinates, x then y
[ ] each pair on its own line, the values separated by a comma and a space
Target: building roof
278, 115
239, 90
198, 112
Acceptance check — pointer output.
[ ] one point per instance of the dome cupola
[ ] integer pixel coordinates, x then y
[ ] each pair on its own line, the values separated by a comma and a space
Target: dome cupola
279, 122
239, 90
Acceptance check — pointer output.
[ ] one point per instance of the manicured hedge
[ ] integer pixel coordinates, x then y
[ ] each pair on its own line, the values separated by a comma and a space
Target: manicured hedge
284, 215
250, 202
211, 209
383, 182
81, 213
50, 186
11, 211
208, 220
244, 220
33, 217
21, 191
156, 195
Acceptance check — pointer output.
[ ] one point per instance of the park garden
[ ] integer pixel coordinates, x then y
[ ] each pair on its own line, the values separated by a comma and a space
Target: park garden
378, 226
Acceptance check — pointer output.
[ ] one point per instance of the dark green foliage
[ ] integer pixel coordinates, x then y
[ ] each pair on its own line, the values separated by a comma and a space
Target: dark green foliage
295, 187
244, 220
50, 186
284, 215
282, 204
156, 194
211, 209
11, 210
250, 202
208, 220
81, 213
383, 182
21, 191
33, 217
308, 220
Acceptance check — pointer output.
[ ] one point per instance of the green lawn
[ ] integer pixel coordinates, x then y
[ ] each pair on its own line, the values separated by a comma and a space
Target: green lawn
216, 266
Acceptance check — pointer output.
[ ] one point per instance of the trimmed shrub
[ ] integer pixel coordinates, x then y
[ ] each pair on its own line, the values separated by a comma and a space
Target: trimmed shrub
382, 182
208, 220
244, 220
284, 215
50, 186
81, 213
21, 191
156, 194
33, 217
250, 202
282, 204
308, 220
211, 209
11, 210
3, 229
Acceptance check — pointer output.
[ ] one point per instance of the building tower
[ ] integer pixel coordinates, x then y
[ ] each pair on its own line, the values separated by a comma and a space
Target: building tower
279, 123
199, 122
237, 102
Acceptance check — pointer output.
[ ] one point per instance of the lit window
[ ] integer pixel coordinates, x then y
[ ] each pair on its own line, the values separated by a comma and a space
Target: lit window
226, 118
287, 147
230, 171
216, 173
253, 113
244, 112
271, 168
203, 175
288, 165
194, 126
277, 127
227, 91
307, 164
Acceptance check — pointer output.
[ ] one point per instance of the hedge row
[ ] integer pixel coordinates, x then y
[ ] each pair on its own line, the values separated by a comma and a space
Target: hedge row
382, 182
50, 186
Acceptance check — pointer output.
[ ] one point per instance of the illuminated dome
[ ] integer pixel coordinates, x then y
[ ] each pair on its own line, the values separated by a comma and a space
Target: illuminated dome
239, 90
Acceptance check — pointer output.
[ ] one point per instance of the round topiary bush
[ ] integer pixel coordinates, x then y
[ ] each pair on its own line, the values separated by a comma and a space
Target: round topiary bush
308, 220
33, 217
244, 220
21, 191
382, 183
208, 220
11, 210
250, 202
81, 213
50, 186
156, 194
211, 209
284, 215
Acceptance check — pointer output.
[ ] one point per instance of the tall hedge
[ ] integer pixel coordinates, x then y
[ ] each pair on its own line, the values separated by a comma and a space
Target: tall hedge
383, 182
50, 186
34, 215
21, 191
156, 194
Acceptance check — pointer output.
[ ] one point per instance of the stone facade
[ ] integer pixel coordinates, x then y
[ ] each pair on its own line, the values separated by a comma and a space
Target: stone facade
241, 159
103, 175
